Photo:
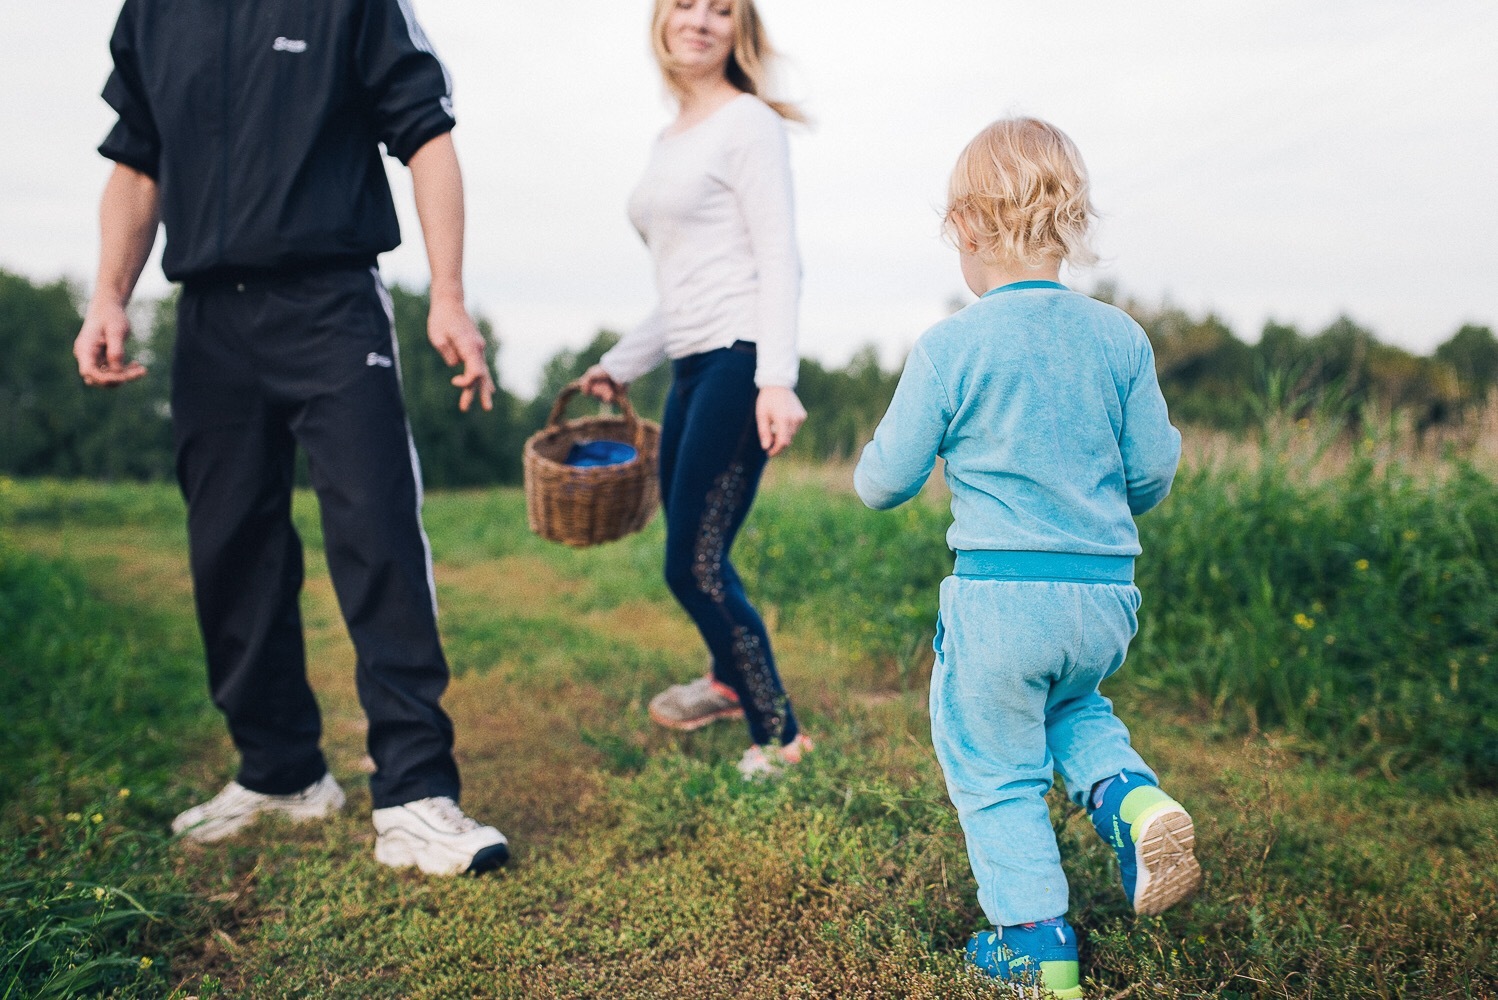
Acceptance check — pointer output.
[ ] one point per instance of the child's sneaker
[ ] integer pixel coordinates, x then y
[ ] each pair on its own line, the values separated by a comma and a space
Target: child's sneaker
1154, 838
236, 807
766, 762
1039, 960
691, 706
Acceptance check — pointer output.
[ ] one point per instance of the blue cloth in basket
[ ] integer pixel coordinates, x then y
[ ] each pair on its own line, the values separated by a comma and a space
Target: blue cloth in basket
584, 454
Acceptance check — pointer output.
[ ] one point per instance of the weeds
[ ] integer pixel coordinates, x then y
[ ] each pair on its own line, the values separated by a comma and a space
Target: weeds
86, 903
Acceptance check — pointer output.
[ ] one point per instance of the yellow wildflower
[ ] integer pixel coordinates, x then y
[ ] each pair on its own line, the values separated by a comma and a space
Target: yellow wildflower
1304, 621
74, 817
145, 961
124, 793
1362, 565
97, 817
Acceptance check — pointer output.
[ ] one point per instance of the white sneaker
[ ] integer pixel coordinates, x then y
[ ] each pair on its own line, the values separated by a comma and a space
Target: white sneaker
236, 807
767, 762
437, 837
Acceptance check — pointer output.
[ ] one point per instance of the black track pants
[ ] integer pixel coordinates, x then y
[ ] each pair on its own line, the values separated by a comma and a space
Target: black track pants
263, 366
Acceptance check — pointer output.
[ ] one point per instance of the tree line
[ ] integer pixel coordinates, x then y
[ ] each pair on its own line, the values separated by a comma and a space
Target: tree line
51, 425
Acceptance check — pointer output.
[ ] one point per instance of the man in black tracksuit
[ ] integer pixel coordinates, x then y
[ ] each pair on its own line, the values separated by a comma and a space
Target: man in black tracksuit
252, 131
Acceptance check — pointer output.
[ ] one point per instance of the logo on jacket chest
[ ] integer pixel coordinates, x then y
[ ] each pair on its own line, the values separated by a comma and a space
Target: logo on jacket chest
296, 46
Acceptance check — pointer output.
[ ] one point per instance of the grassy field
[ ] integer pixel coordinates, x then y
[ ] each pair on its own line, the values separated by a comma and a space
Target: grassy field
1350, 850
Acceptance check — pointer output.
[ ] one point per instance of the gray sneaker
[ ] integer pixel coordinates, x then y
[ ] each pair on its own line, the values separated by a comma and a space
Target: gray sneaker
692, 706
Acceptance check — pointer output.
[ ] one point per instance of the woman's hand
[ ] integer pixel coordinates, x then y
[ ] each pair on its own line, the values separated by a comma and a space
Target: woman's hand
600, 384
780, 415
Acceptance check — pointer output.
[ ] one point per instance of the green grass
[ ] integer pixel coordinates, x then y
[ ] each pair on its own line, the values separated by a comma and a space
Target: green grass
96, 707
644, 867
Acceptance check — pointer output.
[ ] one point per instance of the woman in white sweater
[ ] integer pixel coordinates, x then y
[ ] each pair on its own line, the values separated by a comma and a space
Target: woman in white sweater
715, 210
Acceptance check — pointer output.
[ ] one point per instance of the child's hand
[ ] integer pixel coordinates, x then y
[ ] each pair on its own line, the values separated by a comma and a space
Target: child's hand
600, 384
780, 415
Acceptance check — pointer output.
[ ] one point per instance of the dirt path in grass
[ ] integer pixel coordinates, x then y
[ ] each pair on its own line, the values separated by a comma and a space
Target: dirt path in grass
536, 722
546, 688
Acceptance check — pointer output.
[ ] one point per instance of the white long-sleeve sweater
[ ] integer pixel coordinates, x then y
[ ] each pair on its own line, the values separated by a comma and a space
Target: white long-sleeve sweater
715, 208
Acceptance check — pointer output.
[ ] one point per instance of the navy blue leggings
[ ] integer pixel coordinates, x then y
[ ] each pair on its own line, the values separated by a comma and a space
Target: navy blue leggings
710, 465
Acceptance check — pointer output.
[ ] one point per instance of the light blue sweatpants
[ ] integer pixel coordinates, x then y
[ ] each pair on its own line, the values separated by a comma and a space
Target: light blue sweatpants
1014, 698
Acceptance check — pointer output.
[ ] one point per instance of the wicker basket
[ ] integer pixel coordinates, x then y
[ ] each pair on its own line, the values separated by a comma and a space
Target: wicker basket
582, 506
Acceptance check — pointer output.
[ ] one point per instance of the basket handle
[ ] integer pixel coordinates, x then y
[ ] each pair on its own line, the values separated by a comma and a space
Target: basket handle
621, 400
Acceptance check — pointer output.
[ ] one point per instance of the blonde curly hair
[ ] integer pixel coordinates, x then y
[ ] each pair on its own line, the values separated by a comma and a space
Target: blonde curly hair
1019, 195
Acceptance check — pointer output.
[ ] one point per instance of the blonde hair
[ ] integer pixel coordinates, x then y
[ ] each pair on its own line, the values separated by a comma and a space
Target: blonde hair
1019, 193
748, 63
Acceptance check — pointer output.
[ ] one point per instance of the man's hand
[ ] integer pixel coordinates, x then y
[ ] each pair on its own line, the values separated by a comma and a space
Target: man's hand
100, 346
779, 414
452, 331
128, 216
600, 384
438, 185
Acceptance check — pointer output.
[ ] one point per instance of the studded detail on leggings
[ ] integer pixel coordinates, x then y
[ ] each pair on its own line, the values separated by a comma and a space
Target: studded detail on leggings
723, 502
770, 702
712, 539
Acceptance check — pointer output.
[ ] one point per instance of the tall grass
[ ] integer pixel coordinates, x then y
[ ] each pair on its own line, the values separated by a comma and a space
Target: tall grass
1352, 606
1355, 611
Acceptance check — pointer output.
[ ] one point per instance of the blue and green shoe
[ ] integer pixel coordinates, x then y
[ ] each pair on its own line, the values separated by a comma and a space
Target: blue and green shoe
1155, 841
1039, 957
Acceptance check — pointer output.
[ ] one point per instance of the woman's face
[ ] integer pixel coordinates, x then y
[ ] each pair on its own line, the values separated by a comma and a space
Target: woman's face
699, 35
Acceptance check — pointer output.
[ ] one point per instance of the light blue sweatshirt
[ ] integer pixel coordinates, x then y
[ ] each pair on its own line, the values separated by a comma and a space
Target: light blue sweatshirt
1045, 406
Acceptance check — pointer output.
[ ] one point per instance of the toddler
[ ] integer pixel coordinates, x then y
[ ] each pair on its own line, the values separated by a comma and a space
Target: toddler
1045, 407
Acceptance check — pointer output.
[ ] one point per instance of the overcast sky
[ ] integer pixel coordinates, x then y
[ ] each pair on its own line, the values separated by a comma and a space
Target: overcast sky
1293, 160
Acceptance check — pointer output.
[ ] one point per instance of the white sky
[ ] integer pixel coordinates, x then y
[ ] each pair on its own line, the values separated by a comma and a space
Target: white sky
1261, 159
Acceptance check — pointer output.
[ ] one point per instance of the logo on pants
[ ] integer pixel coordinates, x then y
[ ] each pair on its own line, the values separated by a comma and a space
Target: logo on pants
374, 359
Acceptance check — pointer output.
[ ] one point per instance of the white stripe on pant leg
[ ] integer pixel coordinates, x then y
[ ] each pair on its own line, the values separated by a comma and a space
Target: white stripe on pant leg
395, 354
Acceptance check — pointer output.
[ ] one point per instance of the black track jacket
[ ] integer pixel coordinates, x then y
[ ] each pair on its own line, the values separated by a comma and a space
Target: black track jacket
261, 120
